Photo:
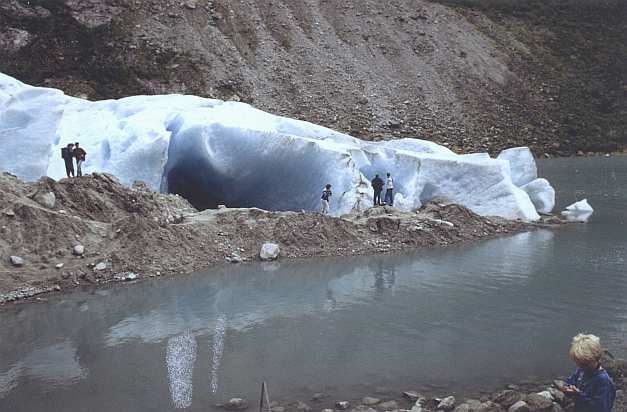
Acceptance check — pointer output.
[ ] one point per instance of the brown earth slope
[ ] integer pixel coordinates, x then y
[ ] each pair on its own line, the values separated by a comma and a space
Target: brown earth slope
471, 74
123, 230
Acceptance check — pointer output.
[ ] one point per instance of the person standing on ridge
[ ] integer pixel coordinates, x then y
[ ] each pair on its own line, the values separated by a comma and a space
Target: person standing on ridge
324, 200
377, 186
67, 153
79, 154
389, 191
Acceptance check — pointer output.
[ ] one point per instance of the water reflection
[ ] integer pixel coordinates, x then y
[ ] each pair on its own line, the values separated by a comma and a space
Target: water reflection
180, 358
57, 364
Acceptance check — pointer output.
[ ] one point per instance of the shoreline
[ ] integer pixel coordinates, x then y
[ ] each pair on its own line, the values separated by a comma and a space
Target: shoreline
94, 231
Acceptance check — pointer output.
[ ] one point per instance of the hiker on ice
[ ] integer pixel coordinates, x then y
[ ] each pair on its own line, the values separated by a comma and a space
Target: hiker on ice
79, 154
389, 191
324, 200
67, 153
377, 187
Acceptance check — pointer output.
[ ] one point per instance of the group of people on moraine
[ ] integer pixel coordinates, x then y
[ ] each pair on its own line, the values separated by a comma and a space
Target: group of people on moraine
377, 187
69, 153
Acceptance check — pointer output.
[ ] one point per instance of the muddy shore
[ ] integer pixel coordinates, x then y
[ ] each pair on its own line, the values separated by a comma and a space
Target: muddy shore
57, 236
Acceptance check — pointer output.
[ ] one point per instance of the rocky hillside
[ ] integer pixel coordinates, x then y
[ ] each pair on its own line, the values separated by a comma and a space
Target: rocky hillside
470, 74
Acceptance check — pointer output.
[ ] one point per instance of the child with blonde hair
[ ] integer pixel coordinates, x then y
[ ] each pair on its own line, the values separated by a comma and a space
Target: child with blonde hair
590, 385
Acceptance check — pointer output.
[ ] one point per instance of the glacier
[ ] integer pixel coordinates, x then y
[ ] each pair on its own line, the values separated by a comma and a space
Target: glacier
214, 152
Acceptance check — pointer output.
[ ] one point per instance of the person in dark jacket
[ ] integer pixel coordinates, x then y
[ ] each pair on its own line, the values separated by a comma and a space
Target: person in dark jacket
324, 200
79, 154
377, 187
67, 153
590, 385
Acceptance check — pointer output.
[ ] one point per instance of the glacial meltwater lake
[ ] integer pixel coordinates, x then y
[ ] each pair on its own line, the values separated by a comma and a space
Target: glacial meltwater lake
456, 320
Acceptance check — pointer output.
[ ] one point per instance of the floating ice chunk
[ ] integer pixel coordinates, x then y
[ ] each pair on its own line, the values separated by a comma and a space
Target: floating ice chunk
522, 164
578, 211
580, 207
542, 195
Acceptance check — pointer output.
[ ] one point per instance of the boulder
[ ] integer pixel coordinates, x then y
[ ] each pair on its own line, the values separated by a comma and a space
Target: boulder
16, 261
46, 199
100, 266
342, 405
520, 406
269, 251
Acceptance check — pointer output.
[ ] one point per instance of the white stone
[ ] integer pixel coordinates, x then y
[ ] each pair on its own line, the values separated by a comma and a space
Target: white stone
16, 261
542, 195
100, 266
269, 251
250, 157
521, 164
78, 250
59, 265
546, 394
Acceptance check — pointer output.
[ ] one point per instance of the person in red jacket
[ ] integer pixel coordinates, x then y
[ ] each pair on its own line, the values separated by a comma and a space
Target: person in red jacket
79, 154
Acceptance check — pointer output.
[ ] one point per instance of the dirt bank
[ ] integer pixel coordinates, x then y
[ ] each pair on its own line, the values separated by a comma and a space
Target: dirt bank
93, 230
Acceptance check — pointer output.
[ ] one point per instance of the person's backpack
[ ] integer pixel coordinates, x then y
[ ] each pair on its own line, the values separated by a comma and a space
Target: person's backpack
65, 153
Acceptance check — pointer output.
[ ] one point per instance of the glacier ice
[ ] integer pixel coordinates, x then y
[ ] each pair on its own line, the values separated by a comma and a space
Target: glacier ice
216, 152
522, 164
541, 193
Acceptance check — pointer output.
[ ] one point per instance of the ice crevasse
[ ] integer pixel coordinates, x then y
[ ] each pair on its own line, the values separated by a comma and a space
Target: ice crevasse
214, 152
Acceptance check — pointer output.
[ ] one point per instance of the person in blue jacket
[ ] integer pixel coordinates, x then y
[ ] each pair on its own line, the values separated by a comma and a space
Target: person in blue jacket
590, 385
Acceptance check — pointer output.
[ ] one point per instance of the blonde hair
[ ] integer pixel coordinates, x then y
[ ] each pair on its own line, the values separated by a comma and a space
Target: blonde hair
586, 348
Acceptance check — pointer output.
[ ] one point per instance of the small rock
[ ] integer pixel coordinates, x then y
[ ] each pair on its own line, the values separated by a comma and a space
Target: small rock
317, 397
342, 405
388, 405
447, 404
78, 250
327, 410
9, 212
520, 406
537, 402
369, 401
363, 408
131, 276
46, 199
57, 288
412, 395
547, 395
556, 394
234, 258
58, 265
236, 404
16, 261
221, 206
508, 397
100, 266
302, 406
